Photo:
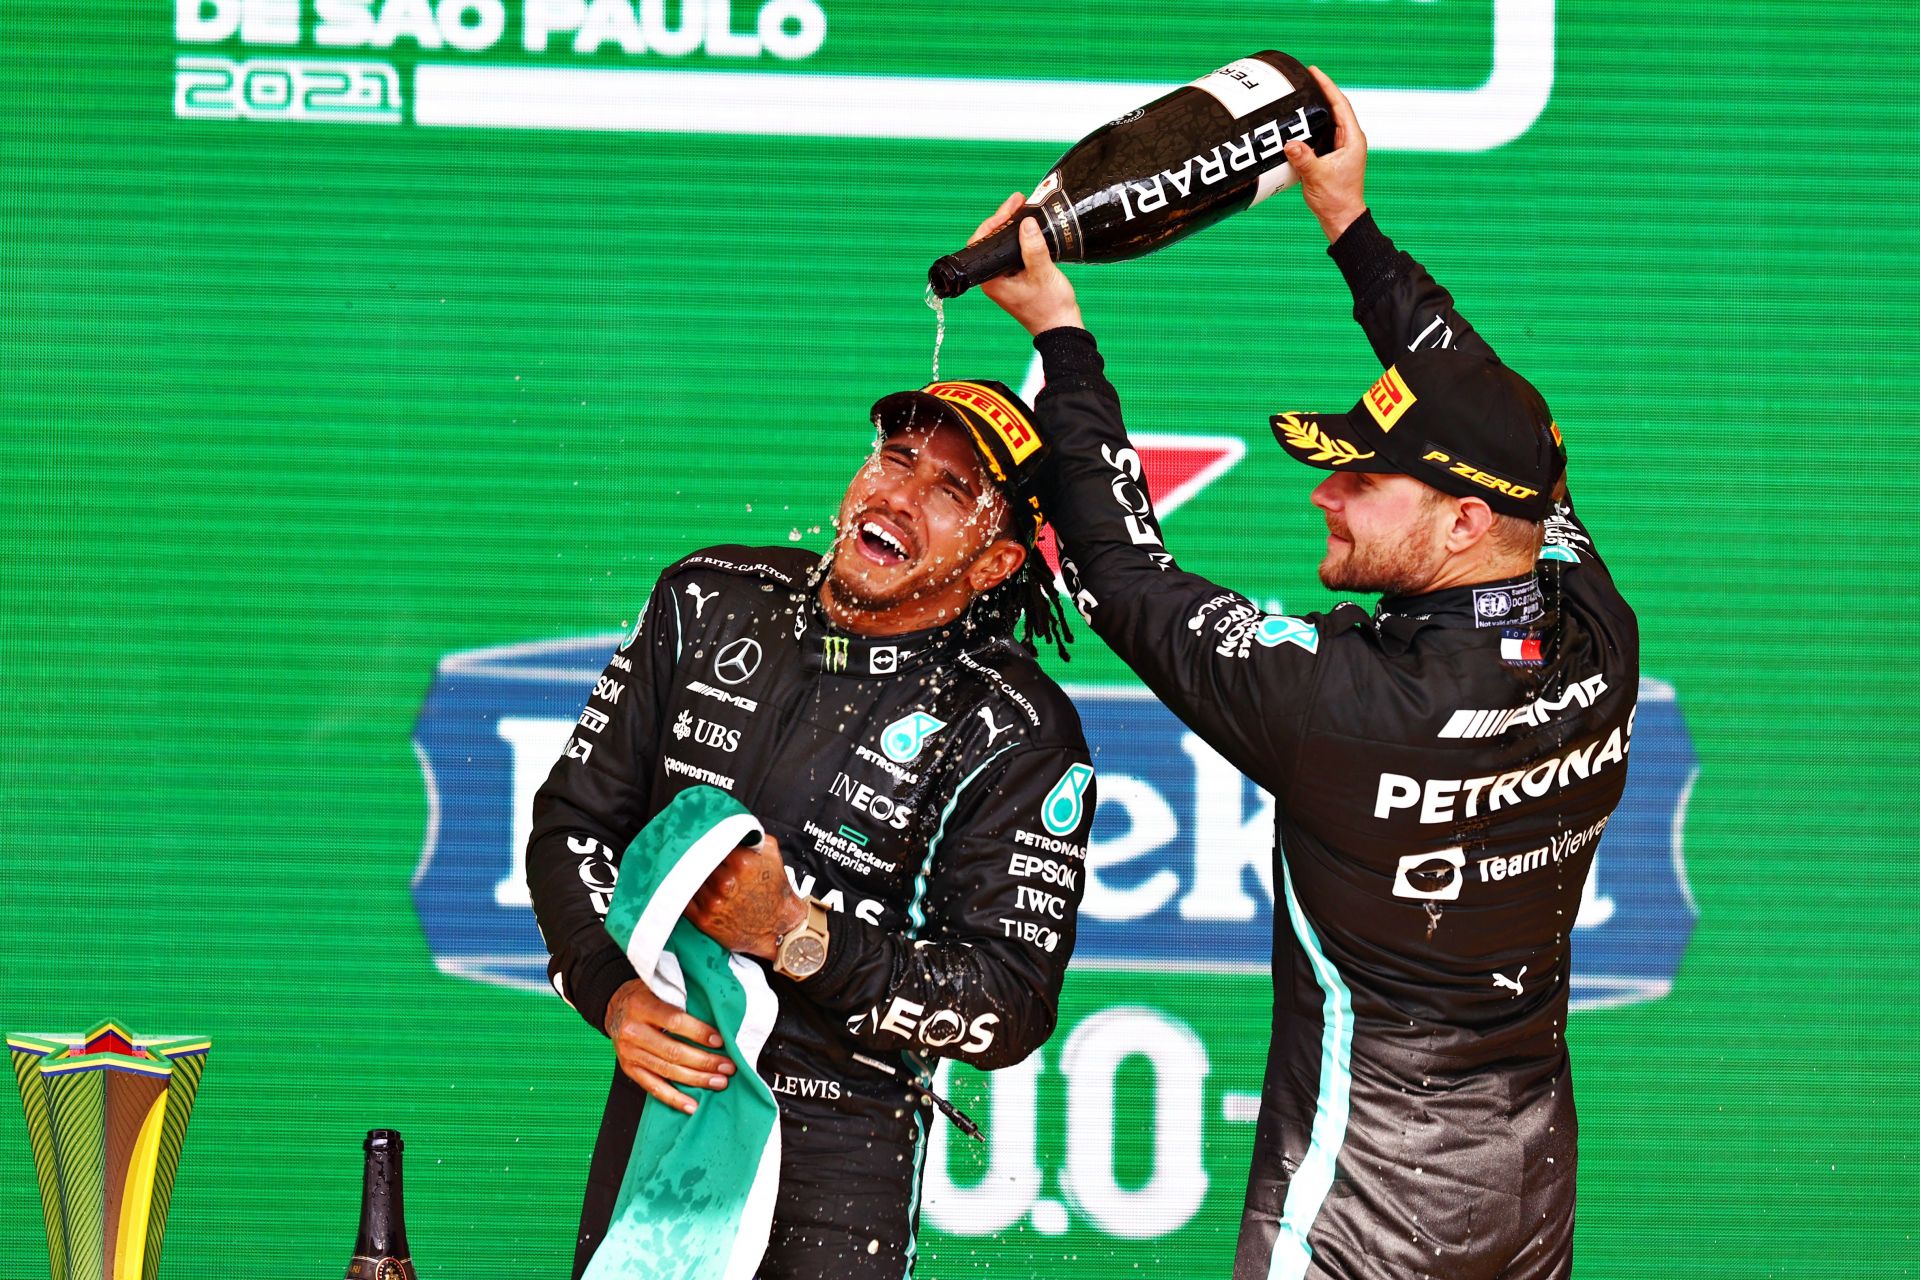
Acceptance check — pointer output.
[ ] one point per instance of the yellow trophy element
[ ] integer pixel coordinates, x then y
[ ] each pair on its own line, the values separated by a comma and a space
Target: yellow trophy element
106, 1113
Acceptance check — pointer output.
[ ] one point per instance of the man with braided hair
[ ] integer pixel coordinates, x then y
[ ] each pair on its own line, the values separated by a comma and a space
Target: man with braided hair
926, 793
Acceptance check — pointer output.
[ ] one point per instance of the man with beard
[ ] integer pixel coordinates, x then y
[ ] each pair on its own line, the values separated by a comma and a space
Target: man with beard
1442, 767
926, 793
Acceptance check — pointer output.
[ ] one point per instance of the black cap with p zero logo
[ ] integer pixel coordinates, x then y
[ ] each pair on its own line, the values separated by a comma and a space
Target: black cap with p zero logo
1459, 421
999, 422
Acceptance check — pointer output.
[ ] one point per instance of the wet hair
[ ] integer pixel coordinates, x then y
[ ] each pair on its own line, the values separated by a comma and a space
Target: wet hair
1518, 536
1028, 599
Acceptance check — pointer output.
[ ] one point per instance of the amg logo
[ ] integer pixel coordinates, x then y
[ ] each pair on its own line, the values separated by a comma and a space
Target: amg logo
721, 695
1489, 724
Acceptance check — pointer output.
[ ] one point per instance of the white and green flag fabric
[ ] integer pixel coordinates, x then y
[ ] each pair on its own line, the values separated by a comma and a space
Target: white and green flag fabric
697, 1201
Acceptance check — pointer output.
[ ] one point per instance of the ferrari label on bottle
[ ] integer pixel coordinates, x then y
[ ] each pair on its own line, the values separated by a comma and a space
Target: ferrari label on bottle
1245, 85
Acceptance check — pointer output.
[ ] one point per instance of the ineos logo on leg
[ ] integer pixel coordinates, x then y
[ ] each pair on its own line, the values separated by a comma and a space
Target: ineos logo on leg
738, 661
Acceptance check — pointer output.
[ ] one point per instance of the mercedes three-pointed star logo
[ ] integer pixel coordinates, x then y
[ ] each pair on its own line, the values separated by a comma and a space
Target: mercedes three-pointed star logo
738, 661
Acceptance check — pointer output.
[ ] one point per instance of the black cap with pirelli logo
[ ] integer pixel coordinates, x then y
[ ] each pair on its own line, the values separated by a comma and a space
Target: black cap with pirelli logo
998, 420
1459, 421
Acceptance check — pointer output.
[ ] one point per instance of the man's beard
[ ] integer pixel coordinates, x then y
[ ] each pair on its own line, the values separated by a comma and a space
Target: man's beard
1401, 568
849, 590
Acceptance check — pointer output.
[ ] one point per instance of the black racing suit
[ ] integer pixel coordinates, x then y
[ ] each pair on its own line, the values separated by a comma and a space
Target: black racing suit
1442, 770
932, 789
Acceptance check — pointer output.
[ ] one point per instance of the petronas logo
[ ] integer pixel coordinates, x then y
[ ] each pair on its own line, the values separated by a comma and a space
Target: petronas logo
903, 739
1065, 805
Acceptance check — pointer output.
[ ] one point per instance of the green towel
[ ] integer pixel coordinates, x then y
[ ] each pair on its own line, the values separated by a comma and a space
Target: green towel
697, 1201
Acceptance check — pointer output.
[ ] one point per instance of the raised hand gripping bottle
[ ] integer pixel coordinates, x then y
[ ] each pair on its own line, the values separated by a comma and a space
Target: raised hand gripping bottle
1163, 171
381, 1251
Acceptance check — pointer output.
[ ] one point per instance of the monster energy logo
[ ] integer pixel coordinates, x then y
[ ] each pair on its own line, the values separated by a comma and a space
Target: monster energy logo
834, 651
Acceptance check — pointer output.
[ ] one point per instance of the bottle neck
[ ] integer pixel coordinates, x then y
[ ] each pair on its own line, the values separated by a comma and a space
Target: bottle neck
383, 1218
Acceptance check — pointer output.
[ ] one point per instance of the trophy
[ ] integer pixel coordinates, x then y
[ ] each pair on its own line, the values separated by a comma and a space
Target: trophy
106, 1113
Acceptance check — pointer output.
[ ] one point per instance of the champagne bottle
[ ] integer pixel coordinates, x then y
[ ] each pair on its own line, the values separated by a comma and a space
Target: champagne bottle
381, 1252
1163, 171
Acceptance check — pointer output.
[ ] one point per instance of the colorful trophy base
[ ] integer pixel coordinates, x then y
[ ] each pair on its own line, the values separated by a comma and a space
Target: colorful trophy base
106, 1113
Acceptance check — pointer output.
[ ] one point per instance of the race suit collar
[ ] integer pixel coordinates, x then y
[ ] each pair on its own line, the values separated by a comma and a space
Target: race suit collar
1505, 602
826, 648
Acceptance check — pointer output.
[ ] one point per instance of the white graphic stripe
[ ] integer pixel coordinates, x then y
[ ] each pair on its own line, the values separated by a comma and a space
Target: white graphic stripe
953, 108
1307, 1189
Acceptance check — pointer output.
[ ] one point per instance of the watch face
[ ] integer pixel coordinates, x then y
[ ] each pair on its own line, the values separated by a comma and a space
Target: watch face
803, 955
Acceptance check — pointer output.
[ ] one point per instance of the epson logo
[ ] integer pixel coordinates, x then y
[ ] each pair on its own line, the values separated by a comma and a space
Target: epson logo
1179, 873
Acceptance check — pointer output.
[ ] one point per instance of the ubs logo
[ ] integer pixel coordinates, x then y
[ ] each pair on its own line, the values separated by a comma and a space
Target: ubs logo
738, 661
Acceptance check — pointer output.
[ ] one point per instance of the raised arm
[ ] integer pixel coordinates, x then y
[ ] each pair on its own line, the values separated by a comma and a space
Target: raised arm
1208, 652
1397, 303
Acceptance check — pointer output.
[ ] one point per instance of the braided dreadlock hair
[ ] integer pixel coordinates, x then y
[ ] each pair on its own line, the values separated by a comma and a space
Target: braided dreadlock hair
1042, 612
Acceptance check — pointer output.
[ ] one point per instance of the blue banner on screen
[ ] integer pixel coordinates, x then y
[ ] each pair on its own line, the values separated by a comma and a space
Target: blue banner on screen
1179, 875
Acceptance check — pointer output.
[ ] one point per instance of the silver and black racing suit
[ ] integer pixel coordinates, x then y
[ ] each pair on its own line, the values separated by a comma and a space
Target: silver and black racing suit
932, 789
1442, 768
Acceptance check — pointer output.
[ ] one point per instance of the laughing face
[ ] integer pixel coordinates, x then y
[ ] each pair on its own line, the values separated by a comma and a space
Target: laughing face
922, 532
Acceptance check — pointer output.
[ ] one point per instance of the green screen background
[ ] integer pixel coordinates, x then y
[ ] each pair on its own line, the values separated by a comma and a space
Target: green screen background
292, 410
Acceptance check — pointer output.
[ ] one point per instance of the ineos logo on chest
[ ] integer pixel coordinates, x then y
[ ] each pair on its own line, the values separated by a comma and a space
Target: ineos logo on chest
884, 808
738, 661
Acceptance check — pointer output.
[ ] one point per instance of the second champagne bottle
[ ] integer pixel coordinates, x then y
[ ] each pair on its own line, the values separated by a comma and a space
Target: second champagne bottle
380, 1251
1163, 171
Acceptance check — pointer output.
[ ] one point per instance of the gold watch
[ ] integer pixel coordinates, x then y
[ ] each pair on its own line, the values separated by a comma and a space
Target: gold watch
802, 952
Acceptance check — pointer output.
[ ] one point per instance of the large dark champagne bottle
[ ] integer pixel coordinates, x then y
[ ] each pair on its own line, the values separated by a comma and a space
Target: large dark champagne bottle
1163, 171
381, 1251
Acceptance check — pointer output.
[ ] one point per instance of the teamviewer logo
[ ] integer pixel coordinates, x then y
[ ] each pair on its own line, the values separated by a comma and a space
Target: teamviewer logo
1430, 877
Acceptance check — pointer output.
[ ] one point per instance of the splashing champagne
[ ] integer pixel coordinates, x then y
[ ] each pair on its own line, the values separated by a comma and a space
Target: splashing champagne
1163, 171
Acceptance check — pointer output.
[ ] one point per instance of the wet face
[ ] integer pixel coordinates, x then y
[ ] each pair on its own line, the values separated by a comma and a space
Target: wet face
1385, 533
922, 531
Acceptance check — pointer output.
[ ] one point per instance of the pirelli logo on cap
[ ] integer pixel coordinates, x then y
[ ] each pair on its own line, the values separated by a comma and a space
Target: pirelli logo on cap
1005, 417
1388, 399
